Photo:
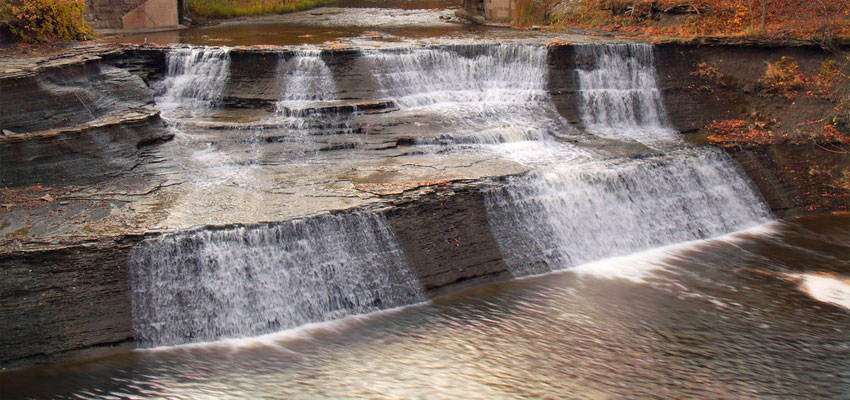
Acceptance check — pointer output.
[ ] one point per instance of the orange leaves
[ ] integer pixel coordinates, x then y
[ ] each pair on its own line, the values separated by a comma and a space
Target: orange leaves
737, 132
829, 134
784, 18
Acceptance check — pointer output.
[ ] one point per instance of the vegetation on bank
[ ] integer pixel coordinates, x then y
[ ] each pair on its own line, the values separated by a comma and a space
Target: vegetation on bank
784, 81
42, 21
821, 20
240, 8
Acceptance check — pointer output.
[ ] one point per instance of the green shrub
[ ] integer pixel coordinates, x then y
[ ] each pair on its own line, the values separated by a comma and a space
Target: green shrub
239, 8
48, 20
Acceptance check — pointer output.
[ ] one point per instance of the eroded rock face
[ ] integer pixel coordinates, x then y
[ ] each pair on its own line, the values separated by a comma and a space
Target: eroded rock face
73, 94
447, 240
64, 304
74, 121
798, 179
82, 153
796, 176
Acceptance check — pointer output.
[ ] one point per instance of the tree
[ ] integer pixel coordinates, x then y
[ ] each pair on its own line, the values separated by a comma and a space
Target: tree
763, 17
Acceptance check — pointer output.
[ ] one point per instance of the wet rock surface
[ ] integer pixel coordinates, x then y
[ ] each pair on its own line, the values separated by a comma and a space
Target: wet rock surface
796, 175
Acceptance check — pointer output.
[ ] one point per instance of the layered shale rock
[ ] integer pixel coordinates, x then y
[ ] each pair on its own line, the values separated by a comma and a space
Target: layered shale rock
72, 118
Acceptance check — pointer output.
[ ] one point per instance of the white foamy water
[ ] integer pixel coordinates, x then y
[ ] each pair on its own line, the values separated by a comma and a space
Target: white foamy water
308, 91
236, 282
641, 266
620, 98
195, 80
825, 288
478, 94
573, 214
305, 78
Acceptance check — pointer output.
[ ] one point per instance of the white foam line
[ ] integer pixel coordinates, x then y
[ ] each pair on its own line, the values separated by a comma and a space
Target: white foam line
637, 267
274, 339
827, 289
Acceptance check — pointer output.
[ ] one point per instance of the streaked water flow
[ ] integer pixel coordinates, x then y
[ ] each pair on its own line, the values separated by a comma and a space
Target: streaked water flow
212, 284
305, 77
306, 104
477, 94
572, 214
709, 321
195, 80
620, 97
755, 314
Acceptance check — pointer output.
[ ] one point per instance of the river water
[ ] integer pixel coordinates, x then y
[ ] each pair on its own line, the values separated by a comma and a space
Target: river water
719, 318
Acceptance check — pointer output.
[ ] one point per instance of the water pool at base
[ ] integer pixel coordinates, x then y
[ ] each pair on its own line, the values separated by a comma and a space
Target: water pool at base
727, 317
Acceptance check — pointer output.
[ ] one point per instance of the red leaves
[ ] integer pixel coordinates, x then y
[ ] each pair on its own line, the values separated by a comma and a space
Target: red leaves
737, 132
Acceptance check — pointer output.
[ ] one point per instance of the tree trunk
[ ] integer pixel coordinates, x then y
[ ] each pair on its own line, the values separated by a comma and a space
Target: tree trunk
764, 17
752, 16
827, 28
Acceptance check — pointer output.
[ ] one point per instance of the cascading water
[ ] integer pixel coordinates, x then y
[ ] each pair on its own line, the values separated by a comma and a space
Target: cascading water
619, 95
212, 284
305, 78
479, 94
195, 80
573, 214
208, 285
307, 102
569, 214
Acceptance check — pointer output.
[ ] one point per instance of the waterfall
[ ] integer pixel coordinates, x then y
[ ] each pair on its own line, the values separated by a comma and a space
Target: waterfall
572, 214
195, 80
619, 95
212, 284
305, 78
479, 94
307, 91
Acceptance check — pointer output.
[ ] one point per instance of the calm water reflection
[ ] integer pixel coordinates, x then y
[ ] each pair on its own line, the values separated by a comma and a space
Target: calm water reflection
711, 319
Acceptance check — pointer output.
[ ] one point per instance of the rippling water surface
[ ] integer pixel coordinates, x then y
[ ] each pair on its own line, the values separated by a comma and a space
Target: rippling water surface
721, 318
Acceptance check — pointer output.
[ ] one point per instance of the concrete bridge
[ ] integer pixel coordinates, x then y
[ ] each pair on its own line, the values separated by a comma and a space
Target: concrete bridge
124, 15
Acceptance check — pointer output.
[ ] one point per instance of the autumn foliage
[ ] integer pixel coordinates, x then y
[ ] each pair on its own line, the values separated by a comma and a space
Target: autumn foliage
821, 20
737, 132
784, 77
47, 20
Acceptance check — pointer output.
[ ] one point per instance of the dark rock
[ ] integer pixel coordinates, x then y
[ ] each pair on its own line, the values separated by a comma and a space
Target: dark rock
82, 153
448, 242
76, 120
72, 95
563, 83
64, 304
